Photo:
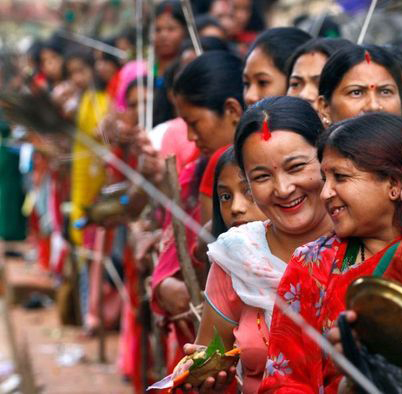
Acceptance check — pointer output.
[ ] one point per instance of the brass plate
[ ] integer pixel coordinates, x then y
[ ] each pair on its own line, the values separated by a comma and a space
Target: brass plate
378, 304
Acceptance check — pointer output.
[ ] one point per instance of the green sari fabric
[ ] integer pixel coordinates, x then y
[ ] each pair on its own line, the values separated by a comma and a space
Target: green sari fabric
12, 222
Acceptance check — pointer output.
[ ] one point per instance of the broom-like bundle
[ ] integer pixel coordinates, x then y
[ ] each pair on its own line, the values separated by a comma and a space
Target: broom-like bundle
36, 111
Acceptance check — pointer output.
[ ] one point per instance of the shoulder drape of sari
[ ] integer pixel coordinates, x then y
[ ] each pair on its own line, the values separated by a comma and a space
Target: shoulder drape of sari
244, 254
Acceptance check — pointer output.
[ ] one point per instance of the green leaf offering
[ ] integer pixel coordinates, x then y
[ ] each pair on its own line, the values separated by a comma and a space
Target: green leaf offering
215, 346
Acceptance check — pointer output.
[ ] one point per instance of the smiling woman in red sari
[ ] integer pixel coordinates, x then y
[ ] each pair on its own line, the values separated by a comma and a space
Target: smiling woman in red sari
361, 164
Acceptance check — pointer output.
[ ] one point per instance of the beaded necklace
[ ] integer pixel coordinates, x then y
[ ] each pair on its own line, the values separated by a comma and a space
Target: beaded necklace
259, 329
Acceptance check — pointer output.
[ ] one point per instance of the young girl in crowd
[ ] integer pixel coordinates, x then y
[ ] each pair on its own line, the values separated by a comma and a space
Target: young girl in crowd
87, 176
265, 72
361, 165
233, 204
107, 68
357, 80
305, 66
275, 148
51, 61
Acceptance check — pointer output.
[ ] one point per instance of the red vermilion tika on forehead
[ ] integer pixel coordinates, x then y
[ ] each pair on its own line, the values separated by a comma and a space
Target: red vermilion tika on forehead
168, 9
266, 133
367, 56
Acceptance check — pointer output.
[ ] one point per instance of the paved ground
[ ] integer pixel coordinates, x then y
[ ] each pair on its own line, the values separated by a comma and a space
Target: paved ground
46, 348
52, 349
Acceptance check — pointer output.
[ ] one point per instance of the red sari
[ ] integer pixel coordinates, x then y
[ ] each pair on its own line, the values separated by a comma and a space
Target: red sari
315, 286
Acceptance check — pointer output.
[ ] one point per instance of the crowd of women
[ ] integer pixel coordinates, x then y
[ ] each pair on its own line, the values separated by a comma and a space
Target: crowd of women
288, 150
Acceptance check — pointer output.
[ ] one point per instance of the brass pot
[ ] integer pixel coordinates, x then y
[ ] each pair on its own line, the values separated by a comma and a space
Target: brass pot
378, 304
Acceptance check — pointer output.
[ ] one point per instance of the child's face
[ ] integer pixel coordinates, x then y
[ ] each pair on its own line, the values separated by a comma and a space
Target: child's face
104, 68
79, 73
51, 64
131, 113
236, 202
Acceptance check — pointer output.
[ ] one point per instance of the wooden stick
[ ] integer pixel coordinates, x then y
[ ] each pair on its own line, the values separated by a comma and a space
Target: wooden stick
139, 55
74, 280
151, 66
188, 271
94, 44
366, 22
192, 28
157, 338
101, 328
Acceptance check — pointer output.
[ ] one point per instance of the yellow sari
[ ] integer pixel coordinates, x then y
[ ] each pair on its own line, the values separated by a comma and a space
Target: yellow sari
88, 171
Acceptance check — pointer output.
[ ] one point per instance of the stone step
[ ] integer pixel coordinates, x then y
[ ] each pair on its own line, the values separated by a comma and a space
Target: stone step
22, 279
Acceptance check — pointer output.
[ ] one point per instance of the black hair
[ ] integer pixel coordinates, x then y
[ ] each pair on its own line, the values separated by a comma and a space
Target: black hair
348, 57
396, 51
133, 84
279, 43
55, 44
164, 109
84, 55
207, 44
108, 57
201, 6
173, 7
373, 142
206, 20
256, 22
326, 46
284, 113
34, 53
129, 33
210, 80
87, 58
218, 225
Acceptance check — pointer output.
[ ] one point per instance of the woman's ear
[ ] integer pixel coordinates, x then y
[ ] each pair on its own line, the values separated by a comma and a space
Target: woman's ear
233, 110
323, 111
395, 190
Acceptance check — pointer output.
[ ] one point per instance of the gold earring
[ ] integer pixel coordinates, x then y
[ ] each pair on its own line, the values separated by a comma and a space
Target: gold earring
395, 194
326, 121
